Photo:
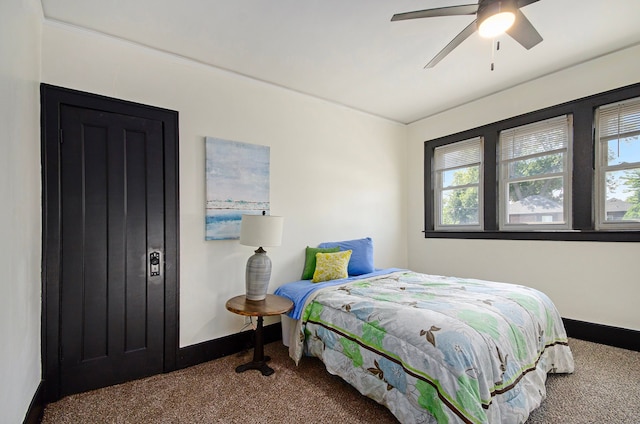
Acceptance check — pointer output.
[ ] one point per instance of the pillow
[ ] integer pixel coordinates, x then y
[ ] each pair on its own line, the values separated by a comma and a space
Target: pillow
310, 260
331, 266
362, 258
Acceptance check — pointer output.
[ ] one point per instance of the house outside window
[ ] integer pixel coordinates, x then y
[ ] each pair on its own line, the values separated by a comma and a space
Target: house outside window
618, 165
458, 185
535, 175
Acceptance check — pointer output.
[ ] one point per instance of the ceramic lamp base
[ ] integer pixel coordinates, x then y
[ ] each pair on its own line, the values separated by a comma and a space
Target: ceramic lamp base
258, 275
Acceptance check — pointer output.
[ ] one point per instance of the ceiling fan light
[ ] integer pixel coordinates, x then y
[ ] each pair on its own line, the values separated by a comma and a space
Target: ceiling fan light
496, 24
495, 17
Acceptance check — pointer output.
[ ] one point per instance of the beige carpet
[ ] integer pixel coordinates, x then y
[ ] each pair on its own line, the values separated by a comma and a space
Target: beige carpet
604, 389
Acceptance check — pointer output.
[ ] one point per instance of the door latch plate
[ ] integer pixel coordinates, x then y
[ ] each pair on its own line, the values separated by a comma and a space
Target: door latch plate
154, 264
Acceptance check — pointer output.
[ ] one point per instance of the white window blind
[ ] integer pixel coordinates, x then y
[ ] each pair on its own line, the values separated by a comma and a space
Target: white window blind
619, 119
536, 138
458, 155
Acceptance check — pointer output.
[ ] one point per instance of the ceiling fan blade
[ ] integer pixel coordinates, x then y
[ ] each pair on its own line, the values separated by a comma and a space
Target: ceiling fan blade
470, 29
523, 3
466, 9
523, 32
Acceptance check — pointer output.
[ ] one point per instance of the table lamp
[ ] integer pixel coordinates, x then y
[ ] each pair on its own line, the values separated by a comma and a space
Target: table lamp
259, 231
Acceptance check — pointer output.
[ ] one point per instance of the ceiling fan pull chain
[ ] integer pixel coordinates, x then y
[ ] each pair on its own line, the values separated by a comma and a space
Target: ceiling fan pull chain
493, 55
493, 52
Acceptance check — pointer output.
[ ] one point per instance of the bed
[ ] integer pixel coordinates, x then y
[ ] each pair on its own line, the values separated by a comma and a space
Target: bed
431, 348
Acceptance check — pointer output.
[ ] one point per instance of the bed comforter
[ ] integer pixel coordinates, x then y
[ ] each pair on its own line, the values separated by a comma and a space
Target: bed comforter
438, 349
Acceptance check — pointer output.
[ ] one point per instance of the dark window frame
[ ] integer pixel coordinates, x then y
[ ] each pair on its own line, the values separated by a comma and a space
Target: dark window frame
583, 174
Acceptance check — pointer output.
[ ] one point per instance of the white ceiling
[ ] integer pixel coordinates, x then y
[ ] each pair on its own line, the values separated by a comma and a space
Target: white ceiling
348, 51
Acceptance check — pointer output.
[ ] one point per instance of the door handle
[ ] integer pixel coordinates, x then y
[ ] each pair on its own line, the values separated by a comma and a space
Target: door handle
154, 263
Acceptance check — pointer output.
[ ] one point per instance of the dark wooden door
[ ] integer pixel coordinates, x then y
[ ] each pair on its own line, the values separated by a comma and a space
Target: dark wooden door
112, 280
111, 314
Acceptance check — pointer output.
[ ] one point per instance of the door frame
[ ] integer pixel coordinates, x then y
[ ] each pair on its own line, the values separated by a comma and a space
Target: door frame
52, 97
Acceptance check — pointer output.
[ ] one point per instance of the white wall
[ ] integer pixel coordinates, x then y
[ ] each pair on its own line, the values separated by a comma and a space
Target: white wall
335, 173
589, 281
20, 244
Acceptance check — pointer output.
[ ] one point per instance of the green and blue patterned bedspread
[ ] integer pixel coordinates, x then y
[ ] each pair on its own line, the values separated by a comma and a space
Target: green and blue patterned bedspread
438, 349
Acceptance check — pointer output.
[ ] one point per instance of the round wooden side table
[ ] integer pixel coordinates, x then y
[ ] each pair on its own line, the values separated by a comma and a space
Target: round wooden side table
271, 305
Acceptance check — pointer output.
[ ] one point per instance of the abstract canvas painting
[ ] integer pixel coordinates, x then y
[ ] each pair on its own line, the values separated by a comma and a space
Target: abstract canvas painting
237, 183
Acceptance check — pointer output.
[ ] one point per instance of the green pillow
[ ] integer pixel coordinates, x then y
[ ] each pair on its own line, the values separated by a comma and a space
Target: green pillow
310, 260
331, 266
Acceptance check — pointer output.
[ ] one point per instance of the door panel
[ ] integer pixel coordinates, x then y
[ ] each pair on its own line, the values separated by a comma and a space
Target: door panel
112, 217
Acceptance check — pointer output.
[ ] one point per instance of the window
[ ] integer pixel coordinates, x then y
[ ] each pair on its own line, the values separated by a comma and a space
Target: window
568, 172
458, 185
618, 165
535, 175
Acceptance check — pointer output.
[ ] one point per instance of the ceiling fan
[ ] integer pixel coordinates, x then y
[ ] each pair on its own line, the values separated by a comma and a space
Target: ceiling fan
493, 17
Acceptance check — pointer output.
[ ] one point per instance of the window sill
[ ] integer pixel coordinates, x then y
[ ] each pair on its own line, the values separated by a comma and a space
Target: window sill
563, 235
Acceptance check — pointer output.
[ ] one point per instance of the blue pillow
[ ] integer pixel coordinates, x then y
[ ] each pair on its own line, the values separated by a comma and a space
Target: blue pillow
361, 257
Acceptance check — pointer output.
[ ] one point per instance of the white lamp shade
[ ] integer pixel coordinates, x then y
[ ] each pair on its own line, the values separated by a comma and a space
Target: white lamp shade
261, 230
